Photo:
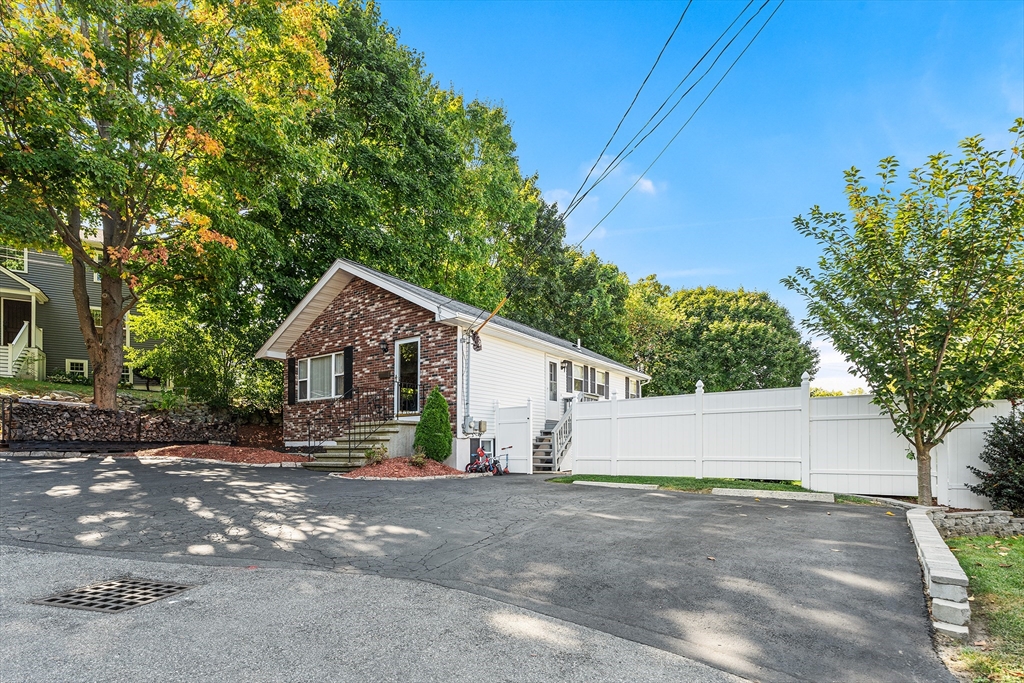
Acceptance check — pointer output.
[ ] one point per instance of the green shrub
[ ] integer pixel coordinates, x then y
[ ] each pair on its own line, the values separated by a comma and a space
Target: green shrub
60, 377
418, 457
434, 432
376, 454
1003, 484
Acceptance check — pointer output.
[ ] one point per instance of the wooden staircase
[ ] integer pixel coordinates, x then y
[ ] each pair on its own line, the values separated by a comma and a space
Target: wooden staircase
349, 452
543, 459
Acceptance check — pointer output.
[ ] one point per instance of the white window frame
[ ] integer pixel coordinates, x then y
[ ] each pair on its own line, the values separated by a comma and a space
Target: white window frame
24, 259
554, 380
632, 388
601, 379
130, 379
578, 380
303, 383
399, 343
69, 371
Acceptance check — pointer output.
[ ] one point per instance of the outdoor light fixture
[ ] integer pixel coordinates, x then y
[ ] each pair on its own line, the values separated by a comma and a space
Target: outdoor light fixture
383, 345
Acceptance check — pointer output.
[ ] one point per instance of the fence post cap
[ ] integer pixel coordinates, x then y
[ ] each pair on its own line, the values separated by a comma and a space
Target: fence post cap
700, 384
806, 376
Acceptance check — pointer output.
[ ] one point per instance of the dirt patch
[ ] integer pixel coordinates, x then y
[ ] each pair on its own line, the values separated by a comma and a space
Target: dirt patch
400, 468
261, 436
260, 456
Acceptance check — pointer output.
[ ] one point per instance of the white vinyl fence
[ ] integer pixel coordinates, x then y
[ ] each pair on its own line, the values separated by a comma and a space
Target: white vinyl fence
514, 433
842, 444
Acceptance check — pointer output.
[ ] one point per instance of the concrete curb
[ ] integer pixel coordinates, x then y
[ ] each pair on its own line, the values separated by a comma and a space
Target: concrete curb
470, 475
616, 485
777, 495
944, 580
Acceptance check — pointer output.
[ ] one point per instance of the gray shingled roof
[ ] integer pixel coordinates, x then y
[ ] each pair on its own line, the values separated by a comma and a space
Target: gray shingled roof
466, 309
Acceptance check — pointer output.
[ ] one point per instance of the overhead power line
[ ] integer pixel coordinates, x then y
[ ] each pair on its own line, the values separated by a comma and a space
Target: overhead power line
623, 154
672, 139
635, 97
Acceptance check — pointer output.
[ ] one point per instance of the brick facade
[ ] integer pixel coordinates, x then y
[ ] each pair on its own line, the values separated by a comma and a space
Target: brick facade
362, 316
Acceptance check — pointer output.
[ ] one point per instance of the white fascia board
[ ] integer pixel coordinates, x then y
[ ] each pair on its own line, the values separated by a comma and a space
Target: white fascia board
266, 350
554, 349
32, 289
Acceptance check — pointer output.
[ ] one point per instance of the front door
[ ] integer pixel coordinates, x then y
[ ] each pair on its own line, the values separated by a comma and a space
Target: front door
553, 385
15, 314
407, 373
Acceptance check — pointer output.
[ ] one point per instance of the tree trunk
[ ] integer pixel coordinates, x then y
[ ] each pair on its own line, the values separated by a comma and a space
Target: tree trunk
924, 470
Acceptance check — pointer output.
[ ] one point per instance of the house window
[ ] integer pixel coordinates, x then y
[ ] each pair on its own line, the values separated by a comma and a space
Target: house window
321, 377
303, 380
602, 383
486, 444
14, 259
577, 377
126, 374
632, 388
97, 318
76, 367
552, 381
98, 257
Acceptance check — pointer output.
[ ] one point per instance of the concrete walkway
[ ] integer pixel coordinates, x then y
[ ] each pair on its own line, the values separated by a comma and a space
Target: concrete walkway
797, 591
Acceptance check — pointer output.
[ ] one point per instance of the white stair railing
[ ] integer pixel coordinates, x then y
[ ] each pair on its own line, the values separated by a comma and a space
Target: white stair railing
18, 346
561, 436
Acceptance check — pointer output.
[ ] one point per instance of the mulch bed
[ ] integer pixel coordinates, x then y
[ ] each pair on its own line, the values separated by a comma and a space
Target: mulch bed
399, 468
259, 456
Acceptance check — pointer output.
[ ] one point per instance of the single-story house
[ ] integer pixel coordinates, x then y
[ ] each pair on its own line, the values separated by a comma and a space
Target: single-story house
363, 346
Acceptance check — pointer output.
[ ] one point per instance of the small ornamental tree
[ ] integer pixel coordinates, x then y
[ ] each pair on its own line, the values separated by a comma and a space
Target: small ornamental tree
923, 289
434, 431
1003, 484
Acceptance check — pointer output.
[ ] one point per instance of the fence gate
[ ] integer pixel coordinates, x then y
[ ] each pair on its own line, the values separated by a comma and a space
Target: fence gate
514, 433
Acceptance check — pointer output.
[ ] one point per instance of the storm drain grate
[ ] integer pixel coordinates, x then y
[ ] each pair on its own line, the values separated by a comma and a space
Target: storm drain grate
114, 596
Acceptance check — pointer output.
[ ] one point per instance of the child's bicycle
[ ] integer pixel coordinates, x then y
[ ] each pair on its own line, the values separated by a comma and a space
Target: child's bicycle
481, 462
506, 448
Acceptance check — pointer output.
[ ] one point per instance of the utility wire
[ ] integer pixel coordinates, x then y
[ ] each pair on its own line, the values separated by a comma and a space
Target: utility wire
518, 282
669, 143
635, 97
622, 155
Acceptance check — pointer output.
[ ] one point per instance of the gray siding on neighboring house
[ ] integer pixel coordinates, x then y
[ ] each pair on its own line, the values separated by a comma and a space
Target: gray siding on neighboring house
58, 317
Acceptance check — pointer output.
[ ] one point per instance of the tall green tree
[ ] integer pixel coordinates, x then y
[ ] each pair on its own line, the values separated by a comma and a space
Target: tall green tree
419, 182
923, 289
730, 339
563, 291
154, 128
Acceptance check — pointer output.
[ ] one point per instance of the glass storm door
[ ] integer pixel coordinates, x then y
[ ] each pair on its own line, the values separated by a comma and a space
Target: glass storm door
408, 373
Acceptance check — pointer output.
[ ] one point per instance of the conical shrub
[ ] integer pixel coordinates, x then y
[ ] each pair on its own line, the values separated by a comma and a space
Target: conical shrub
434, 432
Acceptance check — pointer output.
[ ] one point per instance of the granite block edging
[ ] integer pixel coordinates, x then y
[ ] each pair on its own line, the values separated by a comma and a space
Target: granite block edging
618, 485
777, 495
944, 579
999, 523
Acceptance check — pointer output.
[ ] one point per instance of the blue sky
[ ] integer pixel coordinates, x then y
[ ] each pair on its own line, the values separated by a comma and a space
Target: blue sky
826, 86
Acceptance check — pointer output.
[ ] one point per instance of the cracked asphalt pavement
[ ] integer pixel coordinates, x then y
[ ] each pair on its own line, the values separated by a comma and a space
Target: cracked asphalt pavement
795, 591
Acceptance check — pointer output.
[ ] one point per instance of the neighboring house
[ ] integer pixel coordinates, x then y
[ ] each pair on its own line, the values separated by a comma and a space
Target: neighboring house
39, 330
363, 346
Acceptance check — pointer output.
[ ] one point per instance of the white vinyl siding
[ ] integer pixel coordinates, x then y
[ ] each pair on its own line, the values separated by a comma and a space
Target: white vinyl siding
321, 377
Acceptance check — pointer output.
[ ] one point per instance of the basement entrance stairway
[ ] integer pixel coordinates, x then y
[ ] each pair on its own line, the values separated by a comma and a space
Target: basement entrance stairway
543, 458
349, 453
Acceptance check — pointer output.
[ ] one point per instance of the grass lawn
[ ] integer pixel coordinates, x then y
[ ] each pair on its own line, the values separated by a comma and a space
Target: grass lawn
995, 568
686, 483
9, 385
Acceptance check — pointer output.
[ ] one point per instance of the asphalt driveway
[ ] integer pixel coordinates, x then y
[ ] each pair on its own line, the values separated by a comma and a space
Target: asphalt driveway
796, 591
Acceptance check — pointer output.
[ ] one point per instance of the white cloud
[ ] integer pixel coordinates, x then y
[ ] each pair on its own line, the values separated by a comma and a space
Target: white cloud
833, 372
646, 186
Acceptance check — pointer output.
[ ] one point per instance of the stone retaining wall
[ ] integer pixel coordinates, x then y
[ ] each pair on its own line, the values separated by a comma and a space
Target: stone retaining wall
53, 421
984, 523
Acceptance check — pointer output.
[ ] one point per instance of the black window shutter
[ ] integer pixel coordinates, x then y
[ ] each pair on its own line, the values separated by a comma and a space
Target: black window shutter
593, 380
586, 379
568, 376
291, 381
607, 384
626, 395
348, 371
